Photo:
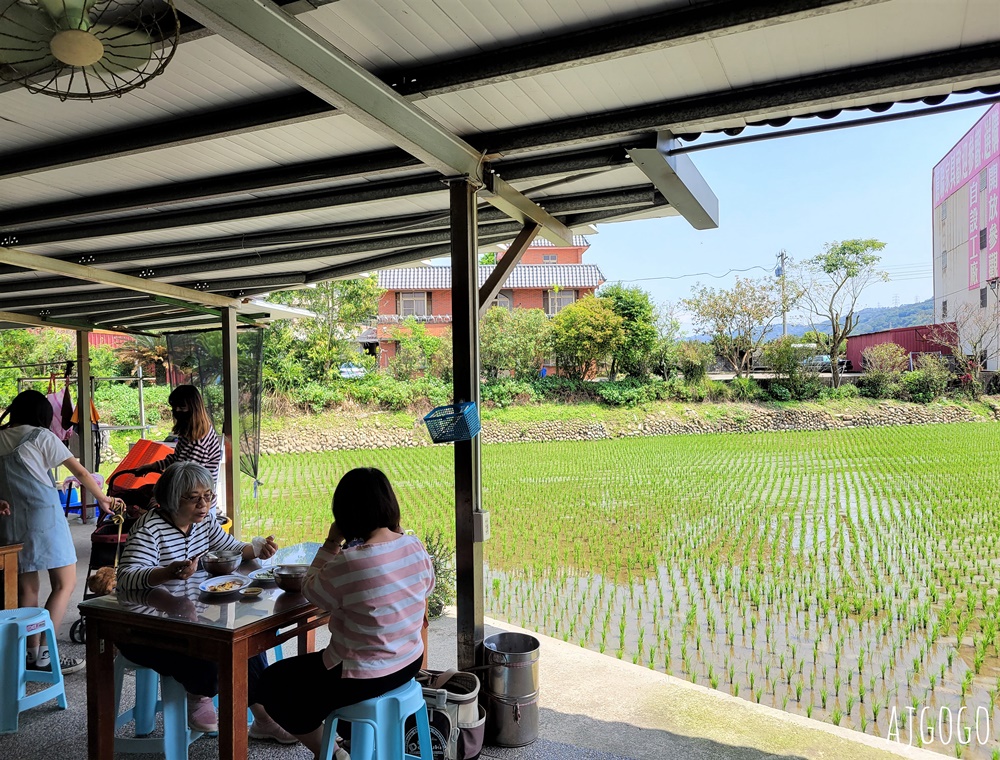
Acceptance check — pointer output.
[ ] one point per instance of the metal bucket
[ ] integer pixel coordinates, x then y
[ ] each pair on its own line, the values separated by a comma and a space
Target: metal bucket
511, 689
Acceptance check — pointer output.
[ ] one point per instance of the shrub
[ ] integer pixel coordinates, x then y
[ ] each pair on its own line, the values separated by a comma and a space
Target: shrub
444, 574
316, 396
746, 389
779, 392
694, 358
883, 365
506, 391
923, 386
118, 403
629, 392
843, 393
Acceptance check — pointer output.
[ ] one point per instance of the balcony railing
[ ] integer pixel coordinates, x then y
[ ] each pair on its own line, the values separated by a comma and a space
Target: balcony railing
395, 319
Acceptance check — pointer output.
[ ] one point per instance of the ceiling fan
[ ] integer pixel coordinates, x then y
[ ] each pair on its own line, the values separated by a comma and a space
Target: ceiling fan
85, 49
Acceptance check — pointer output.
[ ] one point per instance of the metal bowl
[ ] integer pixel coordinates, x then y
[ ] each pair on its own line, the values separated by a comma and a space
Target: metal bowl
290, 577
222, 563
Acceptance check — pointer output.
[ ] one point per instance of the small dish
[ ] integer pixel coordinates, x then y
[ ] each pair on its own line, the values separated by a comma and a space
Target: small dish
264, 575
224, 584
251, 591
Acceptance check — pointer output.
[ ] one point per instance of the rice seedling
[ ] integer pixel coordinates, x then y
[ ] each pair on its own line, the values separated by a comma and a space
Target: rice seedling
859, 549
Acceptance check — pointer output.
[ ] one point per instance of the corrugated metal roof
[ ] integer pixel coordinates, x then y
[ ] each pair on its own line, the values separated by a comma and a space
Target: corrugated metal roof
226, 174
524, 276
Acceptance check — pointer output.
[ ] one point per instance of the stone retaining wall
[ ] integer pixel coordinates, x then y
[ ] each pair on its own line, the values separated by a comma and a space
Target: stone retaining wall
301, 436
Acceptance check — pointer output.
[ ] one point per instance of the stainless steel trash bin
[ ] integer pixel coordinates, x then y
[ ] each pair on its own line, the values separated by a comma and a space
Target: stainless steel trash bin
511, 689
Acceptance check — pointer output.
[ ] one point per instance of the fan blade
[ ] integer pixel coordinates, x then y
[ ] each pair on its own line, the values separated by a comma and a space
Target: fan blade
125, 49
69, 14
25, 32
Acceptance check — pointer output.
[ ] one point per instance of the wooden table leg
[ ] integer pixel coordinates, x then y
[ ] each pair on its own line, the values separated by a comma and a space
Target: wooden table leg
307, 641
100, 693
9, 580
233, 703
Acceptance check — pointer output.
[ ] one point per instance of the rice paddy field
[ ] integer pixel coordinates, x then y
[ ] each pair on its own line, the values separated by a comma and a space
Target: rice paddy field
849, 576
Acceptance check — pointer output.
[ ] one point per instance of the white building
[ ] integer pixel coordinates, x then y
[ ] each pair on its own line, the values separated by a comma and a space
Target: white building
966, 246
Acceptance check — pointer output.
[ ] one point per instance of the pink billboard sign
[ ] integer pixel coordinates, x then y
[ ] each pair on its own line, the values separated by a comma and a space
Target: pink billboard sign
972, 164
992, 220
978, 147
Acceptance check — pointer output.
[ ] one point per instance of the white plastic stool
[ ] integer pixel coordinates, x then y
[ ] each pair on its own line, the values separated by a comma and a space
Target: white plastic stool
15, 628
378, 726
172, 703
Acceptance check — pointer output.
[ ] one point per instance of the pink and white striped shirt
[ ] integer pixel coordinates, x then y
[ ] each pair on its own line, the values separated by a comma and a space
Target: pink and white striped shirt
376, 594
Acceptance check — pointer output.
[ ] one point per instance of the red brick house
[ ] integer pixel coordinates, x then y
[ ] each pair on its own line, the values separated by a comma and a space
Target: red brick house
547, 277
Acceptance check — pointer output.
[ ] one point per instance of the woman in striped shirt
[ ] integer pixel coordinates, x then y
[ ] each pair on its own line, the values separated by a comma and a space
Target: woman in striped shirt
376, 592
197, 440
159, 558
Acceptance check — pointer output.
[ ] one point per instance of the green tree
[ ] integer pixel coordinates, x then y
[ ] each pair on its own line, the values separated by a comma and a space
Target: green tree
738, 318
634, 354
342, 308
513, 341
663, 357
584, 335
419, 352
284, 365
831, 284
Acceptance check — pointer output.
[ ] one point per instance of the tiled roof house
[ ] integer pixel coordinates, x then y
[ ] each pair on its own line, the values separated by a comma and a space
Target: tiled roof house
547, 277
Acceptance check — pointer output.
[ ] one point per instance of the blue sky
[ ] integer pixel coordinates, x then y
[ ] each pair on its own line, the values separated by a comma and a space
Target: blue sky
799, 193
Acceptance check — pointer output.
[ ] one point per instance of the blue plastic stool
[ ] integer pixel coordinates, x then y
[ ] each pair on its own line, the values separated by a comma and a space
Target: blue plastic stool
378, 725
15, 627
173, 704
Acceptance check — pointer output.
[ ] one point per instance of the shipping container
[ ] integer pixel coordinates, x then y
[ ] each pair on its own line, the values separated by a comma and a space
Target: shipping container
912, 339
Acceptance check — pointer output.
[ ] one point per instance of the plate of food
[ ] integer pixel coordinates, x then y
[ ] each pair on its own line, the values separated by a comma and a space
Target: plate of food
264, 575
224, 584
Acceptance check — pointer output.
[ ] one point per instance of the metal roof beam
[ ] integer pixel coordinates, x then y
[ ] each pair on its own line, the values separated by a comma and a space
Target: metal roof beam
293, 49
27, 320
38, 263
680, 182
363, 167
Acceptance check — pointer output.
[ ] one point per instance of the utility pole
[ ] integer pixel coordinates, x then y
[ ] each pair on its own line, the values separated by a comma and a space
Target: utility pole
779, 272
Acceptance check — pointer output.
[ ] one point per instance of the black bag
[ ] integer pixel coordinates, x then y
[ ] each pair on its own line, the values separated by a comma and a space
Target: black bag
458, 722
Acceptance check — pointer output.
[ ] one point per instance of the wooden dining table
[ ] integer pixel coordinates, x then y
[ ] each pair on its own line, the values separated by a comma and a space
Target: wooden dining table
224, 629
8, 566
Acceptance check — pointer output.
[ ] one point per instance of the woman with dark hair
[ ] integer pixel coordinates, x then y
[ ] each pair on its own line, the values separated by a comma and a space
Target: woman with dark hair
159, 560
375, 581
197, 440
35, 516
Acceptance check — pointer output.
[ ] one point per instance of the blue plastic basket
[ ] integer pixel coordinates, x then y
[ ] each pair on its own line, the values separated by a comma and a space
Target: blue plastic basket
455, 422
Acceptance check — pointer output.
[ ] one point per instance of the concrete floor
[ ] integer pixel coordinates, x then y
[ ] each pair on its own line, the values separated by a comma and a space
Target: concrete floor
592, 707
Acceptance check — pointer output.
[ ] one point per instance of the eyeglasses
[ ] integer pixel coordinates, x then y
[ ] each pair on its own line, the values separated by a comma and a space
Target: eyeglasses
206, 498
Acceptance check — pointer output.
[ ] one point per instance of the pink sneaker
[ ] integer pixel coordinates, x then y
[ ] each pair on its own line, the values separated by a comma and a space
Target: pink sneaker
201, 714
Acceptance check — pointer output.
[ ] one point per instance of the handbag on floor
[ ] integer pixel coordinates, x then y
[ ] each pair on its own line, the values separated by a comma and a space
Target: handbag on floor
458, 722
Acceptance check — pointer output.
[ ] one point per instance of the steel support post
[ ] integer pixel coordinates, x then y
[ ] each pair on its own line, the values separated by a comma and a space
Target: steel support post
84, 391
468, 464
231, 418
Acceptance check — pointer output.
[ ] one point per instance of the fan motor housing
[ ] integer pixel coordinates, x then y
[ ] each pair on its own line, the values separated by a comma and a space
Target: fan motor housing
76, 47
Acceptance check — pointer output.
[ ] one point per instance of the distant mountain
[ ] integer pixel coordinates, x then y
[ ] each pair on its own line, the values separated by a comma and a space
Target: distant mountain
877, 319
869, 320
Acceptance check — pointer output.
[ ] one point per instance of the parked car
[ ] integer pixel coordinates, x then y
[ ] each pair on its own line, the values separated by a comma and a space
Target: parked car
350, 371
821, 363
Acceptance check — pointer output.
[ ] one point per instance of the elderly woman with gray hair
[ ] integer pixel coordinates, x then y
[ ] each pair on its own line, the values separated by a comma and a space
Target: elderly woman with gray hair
160, 556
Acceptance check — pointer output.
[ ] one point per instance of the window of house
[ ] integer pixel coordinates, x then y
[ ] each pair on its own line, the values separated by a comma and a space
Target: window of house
504, 301
944, 209
982, 298
413, 304
982, 180
944, 310
549, 258
982, 239
557, 300
944, 261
